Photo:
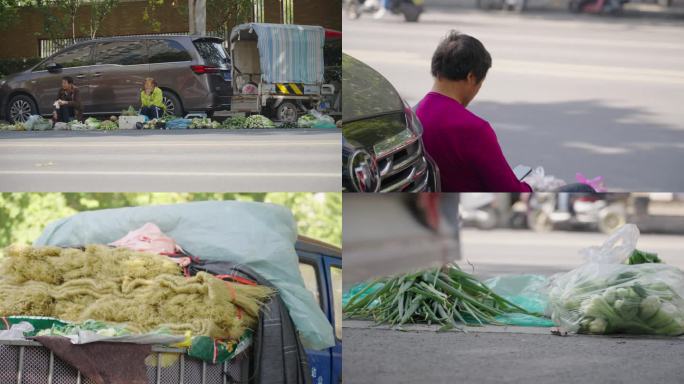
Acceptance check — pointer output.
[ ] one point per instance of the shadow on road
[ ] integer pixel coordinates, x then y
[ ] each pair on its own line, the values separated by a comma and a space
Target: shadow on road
591, 137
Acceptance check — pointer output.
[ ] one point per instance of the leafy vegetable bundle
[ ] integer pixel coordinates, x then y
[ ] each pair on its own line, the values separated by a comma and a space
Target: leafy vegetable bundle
203, 123
443, 296
619, 298
620, 290
258, 121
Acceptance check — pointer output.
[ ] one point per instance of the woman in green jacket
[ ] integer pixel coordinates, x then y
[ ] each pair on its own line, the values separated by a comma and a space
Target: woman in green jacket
151, 99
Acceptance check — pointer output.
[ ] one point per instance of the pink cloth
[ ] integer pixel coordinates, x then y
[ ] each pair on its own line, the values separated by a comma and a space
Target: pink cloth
148, 238
465, 148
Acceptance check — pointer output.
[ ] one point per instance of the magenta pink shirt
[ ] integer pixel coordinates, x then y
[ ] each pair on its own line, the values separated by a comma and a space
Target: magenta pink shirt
465, 148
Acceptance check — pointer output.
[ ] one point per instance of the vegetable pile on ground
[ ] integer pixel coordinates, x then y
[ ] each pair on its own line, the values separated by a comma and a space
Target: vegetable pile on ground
93, 123
258, 121
446, 296
306, 121
620, 292
204, 123
234, 122
142, 292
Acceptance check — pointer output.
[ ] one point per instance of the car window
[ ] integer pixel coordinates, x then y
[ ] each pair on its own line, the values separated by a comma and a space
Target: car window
74, 57
167, 51
120, 52
377, 132
366, 92
336, 281
212, 52
310, 280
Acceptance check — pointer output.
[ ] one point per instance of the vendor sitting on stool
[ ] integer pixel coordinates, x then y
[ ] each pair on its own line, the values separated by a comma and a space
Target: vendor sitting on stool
151, 99
68, 104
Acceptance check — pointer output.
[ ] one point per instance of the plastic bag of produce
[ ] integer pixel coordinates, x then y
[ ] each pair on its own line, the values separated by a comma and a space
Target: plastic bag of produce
610, 293
37, 123
541, 182
178, 124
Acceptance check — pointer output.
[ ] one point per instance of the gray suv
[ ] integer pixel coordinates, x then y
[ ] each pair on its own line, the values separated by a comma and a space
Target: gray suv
193, 73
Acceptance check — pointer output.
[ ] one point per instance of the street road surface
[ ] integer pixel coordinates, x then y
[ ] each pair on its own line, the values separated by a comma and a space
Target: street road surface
504, 251
510, 355
497, 354
179, 161
573, 93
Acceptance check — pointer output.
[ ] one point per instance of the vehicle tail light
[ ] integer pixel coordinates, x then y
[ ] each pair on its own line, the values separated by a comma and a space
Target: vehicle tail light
200, 69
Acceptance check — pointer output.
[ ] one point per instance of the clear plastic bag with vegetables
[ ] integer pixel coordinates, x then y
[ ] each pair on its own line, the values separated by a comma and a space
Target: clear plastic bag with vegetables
619, 290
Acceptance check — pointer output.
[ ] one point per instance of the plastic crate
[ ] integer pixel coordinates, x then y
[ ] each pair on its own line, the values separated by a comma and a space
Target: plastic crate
28, 362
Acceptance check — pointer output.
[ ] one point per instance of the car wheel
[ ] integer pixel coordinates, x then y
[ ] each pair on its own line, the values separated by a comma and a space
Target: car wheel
611, 220
173, 105
539, 221
20, 108
286, 112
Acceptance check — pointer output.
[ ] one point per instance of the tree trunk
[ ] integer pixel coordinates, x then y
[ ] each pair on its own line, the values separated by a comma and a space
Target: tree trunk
191, 17
73, 28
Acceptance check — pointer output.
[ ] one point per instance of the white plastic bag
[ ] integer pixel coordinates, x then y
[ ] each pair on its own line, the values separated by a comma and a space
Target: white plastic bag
17, 331
540, 182
605, 295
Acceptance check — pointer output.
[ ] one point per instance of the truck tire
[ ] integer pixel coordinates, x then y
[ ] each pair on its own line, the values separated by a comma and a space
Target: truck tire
20, 108
287, 111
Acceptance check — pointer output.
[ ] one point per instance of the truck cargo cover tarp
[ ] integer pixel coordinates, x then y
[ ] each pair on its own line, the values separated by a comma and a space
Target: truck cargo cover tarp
288, 53
258, 235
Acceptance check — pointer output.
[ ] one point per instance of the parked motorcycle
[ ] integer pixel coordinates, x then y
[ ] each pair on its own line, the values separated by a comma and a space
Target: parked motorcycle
597, 6
411, 9
547, 211
479, 209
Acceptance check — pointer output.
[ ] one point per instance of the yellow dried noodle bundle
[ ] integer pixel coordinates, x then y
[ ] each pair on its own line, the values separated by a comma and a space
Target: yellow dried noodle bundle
145, 291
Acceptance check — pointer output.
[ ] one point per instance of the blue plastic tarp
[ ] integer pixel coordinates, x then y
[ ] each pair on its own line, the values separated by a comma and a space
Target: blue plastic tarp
258, 235
288, 53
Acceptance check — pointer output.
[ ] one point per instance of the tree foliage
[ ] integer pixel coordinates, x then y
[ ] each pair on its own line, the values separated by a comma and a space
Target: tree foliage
23, 216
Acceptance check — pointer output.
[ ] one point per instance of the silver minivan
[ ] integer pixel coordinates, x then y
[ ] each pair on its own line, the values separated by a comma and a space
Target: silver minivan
193, 73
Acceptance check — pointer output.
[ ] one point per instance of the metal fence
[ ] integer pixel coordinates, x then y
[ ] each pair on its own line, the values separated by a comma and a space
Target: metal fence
47, 47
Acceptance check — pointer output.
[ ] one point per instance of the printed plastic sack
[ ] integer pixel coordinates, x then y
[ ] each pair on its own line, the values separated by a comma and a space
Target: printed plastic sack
605, 295
540, 182
148, 238
178, 124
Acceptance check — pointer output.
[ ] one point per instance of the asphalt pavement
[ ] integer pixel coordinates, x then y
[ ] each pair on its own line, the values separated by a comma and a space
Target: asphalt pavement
508, 354
572, 93
512, 355
178, 161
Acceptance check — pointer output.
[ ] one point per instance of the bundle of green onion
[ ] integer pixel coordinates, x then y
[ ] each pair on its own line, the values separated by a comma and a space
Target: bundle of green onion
446, 296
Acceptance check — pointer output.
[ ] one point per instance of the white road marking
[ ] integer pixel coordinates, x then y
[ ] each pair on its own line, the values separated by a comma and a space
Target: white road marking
537, 68
14, 144
170, 173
